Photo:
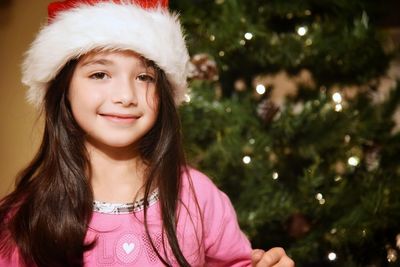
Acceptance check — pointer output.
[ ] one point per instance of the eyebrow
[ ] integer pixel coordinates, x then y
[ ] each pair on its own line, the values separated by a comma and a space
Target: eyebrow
97, 61
107, 62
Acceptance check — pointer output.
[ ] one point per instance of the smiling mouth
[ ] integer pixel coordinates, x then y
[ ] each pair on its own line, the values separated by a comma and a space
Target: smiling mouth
120, 118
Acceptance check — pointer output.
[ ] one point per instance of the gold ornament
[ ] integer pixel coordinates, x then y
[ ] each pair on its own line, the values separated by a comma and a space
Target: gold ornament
391, 255
398, 240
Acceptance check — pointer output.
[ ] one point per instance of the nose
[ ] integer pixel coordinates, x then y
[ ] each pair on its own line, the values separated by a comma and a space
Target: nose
124, 93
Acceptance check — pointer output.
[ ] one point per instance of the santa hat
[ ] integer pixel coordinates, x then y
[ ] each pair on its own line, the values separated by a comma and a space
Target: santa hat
76, 27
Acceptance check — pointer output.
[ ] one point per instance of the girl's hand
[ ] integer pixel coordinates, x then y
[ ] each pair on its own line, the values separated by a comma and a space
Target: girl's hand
275, 257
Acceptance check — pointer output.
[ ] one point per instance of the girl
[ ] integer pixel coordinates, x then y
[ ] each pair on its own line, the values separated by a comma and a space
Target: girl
109, 185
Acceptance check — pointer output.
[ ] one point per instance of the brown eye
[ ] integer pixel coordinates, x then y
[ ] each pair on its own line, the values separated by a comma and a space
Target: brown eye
99, 76
145, 78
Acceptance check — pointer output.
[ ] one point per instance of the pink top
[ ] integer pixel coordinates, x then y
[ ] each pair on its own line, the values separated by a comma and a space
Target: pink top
215, 241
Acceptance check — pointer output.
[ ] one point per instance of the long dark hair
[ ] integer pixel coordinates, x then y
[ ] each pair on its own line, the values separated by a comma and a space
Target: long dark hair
47, 215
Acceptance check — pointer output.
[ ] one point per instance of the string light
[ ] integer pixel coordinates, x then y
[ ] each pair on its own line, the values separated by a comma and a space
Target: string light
260, 89
242, 42
337, 97
221, 53
246, 159
353, 161
338, 107
275, 175
248, 35
212, 38
338, 178
252, 215
320, 198
252, 141
187, 98
332, 256
302, 30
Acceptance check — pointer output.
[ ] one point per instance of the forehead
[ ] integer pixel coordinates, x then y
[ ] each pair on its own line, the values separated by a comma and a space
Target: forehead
105, 56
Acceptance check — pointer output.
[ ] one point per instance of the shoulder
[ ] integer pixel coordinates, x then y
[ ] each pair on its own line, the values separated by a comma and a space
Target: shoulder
197, 179
213, 202
203, 187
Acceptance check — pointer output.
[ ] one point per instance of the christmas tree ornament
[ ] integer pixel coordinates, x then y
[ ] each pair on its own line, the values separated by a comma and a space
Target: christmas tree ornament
340, 167
248, 149
304, 78
203, 67
266, 110
372, 156
350, 92
396, 120
281, 85
391, 254
385, 84
272, 157
298, 225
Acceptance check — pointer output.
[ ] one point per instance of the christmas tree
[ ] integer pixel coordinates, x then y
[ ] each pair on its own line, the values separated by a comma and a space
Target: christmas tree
294, 112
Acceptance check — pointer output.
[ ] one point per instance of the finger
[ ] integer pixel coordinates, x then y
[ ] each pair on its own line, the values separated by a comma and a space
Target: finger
271, 257
256, 255
285, 262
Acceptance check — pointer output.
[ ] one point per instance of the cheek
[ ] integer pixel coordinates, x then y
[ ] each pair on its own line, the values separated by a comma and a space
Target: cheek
152, 100
83, 97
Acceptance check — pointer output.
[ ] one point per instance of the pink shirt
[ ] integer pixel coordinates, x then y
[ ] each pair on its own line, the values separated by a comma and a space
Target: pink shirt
214, 241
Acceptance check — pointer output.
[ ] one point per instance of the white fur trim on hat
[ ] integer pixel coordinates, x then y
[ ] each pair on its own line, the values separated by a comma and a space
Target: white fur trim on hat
155, 34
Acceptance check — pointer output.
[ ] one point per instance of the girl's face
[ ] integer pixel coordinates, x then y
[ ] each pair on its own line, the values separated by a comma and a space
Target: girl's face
113, 98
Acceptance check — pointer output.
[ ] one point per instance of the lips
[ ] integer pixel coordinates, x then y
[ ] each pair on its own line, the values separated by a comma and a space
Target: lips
119, 117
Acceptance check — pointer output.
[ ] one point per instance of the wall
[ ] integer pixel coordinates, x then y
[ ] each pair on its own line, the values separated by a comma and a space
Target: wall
19, 128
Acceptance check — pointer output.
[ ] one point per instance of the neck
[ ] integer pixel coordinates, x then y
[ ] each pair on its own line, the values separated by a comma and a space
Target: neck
117, 174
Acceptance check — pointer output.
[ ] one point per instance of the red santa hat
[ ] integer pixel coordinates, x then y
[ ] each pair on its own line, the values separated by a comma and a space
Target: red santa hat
76, 27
